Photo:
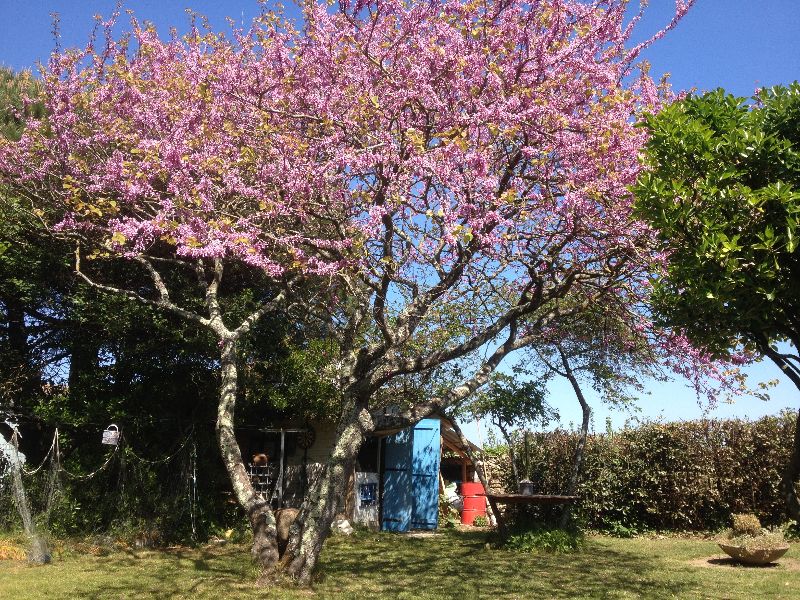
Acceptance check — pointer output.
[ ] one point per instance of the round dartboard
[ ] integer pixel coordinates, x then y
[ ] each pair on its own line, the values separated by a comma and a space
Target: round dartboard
305, 439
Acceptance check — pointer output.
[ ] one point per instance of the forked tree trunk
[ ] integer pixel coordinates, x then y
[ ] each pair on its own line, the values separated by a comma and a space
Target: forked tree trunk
257, 509
313, 523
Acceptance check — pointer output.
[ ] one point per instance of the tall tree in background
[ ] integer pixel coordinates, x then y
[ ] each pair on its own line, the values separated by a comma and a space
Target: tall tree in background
137, 158
722, 185
509, 403
20, 372
612, 350
442, 173
77, 358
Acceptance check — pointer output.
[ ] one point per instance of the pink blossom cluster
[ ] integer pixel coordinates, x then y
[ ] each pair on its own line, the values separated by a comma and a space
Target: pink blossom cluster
479, 150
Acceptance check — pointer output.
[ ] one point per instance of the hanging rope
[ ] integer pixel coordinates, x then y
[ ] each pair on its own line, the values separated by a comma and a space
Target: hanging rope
54, 487
193, 490
160, 461
46, 456
55, 452
90, 475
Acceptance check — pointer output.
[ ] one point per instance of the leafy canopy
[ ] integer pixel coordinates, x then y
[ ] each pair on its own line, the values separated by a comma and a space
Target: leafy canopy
723, 187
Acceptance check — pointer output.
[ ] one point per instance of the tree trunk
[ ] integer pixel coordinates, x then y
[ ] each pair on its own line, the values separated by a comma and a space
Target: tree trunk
577, 461
791, 478
27, 379
511, 455
83, 361
791, 475
322, 503
257, 509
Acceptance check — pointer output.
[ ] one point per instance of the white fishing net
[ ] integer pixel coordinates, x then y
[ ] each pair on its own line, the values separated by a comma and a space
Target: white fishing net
12, 464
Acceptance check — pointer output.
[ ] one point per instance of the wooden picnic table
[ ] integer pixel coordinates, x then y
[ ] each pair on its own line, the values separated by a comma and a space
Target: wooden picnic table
541, 499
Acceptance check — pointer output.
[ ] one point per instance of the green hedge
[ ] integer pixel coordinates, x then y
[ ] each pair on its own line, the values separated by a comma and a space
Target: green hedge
669, 476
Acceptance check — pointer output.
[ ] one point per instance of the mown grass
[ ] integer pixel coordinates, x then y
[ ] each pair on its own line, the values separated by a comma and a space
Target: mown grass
449, 565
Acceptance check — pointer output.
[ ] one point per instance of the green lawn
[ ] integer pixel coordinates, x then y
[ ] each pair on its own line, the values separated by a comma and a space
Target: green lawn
450, 565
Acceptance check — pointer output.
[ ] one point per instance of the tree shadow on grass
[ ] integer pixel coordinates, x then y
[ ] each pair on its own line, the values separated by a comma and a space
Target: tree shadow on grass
459, 564
169, 574
732, 562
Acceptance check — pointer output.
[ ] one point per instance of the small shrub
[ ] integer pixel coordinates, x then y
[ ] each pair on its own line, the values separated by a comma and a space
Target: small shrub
481, 521
791, 531
748, 534
746, 524
544, 538
617, 529
11, 551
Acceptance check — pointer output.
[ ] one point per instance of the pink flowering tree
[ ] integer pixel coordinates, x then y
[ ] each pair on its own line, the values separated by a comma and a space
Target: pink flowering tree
445, 172
147, 154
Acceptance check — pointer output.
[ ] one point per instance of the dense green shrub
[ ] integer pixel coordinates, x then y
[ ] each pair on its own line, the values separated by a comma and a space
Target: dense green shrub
533, 537
667, 476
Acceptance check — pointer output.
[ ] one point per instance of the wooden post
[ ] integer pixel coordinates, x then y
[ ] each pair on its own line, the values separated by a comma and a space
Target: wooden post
280, 476
527, 457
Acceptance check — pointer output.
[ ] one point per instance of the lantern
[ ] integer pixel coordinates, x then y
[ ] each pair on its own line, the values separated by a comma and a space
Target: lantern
111, 435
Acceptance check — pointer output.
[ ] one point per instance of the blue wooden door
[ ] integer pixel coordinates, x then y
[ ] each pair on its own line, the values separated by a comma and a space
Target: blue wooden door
397, 501
425, 457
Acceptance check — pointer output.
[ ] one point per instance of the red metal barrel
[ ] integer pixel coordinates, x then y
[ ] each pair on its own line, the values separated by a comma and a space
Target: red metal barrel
474, 502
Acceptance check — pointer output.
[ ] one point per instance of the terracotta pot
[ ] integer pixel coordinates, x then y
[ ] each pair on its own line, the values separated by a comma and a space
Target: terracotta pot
754, 556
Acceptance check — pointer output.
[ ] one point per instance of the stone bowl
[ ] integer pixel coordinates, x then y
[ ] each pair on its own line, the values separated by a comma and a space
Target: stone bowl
754, 556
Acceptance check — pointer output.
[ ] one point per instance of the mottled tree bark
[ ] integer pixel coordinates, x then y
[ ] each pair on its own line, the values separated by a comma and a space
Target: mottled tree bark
325, 497
258, 511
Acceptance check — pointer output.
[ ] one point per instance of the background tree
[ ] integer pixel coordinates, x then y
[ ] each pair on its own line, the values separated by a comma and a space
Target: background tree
138, 157
509, 403
612, 350
722, 186
76, 358
478, 195
19, 373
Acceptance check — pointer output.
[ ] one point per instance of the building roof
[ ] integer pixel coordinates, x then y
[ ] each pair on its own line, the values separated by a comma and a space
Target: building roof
448, 432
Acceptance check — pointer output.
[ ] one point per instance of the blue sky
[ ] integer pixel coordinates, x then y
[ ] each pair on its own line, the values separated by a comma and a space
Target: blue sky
736, 44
